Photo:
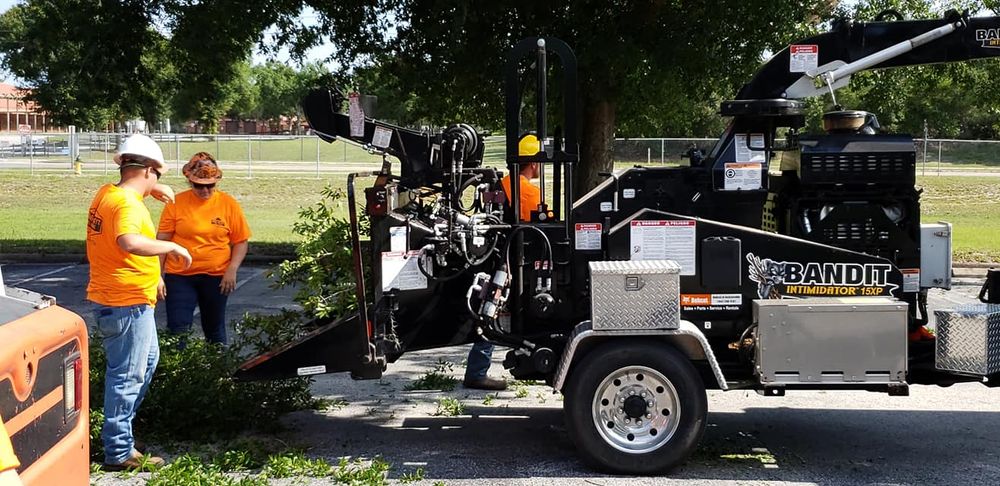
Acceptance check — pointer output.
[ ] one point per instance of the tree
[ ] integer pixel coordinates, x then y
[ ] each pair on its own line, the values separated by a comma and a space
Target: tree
88, 62
634, 57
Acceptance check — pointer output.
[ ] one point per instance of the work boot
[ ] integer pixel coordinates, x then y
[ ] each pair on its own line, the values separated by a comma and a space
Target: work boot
136, 461
139, 446
485, 383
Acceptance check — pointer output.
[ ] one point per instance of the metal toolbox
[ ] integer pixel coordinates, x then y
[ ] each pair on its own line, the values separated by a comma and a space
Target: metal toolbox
968, 339
849, 341
635, 294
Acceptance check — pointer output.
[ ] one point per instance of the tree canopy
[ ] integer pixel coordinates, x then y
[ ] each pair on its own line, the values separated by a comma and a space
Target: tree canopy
647, 68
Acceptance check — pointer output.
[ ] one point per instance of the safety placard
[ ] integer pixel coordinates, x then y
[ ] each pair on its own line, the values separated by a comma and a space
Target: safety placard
400, 271
745, 153
588, 236
397, 238
607, 206
382, 137
356, 114
744, 176
911, 279
628, 193
665, 240
711, 301
803, 58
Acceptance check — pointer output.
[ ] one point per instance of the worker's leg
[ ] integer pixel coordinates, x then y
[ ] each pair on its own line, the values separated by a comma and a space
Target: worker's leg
152, 359
212, 303
477, 366
181, 299
127, 333
478, 362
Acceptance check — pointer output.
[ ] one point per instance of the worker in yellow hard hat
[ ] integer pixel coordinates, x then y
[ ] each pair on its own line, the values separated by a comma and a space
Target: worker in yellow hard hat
530, 195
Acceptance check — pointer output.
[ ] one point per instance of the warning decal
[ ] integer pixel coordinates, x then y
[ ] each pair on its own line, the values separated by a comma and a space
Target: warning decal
588, 236
665, 240
357, 115
749, 154
711, 301
911, 279
382, 137
803, 58
742, 176
400, 271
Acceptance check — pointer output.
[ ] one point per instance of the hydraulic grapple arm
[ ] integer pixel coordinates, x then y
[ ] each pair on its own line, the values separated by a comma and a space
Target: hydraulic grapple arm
811, 66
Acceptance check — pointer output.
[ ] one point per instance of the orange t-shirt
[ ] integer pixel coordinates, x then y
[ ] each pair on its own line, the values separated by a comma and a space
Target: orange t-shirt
206, 228
530, 196
119, 278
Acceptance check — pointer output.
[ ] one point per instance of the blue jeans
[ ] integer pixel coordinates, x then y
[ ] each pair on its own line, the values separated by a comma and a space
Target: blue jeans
184, 292
132, 352
478, 362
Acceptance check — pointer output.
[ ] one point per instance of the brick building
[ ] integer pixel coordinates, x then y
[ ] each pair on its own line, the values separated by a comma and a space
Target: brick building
15, 111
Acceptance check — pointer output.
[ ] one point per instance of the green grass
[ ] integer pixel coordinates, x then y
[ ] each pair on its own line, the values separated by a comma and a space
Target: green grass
47, 213
972, 206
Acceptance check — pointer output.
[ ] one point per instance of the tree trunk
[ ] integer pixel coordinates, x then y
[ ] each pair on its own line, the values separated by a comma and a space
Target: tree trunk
595, 145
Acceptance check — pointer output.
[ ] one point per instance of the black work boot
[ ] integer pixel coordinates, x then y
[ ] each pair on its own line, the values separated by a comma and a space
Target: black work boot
485, 383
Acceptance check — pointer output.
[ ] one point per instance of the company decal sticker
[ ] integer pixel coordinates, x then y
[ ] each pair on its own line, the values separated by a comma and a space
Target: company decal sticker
712, 301
988, 38
777, 279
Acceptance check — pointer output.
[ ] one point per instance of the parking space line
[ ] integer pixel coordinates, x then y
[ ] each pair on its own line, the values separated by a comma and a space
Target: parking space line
43, 275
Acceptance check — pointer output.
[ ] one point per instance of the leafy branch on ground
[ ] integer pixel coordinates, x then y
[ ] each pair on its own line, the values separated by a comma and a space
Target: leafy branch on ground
437, 379
449, 407
193, 396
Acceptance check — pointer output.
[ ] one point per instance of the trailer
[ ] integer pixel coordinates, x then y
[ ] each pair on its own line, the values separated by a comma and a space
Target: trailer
662, 282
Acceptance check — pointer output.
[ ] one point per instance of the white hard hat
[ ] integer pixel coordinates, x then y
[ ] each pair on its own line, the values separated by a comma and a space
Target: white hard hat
140, 146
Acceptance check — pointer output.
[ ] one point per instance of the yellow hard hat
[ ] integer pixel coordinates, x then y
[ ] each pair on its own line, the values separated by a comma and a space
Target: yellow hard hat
528, 145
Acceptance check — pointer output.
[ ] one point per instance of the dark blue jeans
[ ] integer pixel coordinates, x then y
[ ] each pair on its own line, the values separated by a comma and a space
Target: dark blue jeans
184, 292
478, 362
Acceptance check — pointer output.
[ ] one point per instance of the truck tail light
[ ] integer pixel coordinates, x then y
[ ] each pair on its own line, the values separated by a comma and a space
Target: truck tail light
72, 386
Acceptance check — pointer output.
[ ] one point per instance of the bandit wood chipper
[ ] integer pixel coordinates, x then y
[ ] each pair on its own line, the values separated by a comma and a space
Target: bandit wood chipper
662, 282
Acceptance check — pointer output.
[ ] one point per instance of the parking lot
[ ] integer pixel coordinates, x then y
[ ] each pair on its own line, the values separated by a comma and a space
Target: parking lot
934, 436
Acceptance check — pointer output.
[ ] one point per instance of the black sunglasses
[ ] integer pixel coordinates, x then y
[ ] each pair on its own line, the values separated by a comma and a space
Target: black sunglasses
202, 186
157, 173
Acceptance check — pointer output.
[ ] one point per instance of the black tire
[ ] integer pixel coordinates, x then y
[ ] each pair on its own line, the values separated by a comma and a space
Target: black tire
621, 357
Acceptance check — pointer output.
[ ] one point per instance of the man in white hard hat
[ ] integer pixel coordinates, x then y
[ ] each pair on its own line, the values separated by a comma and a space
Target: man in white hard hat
124, 275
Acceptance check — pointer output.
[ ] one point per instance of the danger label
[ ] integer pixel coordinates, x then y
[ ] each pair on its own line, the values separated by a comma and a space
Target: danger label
744, 176
803, 58
665, 240
588, 236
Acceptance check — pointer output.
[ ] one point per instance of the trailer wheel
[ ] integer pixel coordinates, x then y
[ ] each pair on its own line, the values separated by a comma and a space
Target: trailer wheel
635, 407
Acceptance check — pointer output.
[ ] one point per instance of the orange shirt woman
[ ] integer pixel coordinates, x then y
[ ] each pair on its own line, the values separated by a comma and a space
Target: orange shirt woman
211, 225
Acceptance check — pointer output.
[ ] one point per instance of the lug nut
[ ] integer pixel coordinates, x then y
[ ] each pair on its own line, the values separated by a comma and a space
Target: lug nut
643, 394
631, 392
649, 415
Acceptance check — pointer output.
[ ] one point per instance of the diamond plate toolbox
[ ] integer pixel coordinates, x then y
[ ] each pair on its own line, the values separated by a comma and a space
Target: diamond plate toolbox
968, 339
635, 294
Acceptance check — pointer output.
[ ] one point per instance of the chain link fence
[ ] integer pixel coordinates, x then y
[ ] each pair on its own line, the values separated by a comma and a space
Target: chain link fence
307, 155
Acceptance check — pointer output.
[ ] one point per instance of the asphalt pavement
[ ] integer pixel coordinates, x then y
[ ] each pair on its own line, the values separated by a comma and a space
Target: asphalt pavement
517, 437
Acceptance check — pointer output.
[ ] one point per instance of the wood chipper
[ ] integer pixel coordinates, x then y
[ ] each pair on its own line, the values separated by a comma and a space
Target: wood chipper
662, 282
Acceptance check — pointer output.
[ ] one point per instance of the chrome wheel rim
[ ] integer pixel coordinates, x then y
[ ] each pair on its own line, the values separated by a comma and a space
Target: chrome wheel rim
636, 409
